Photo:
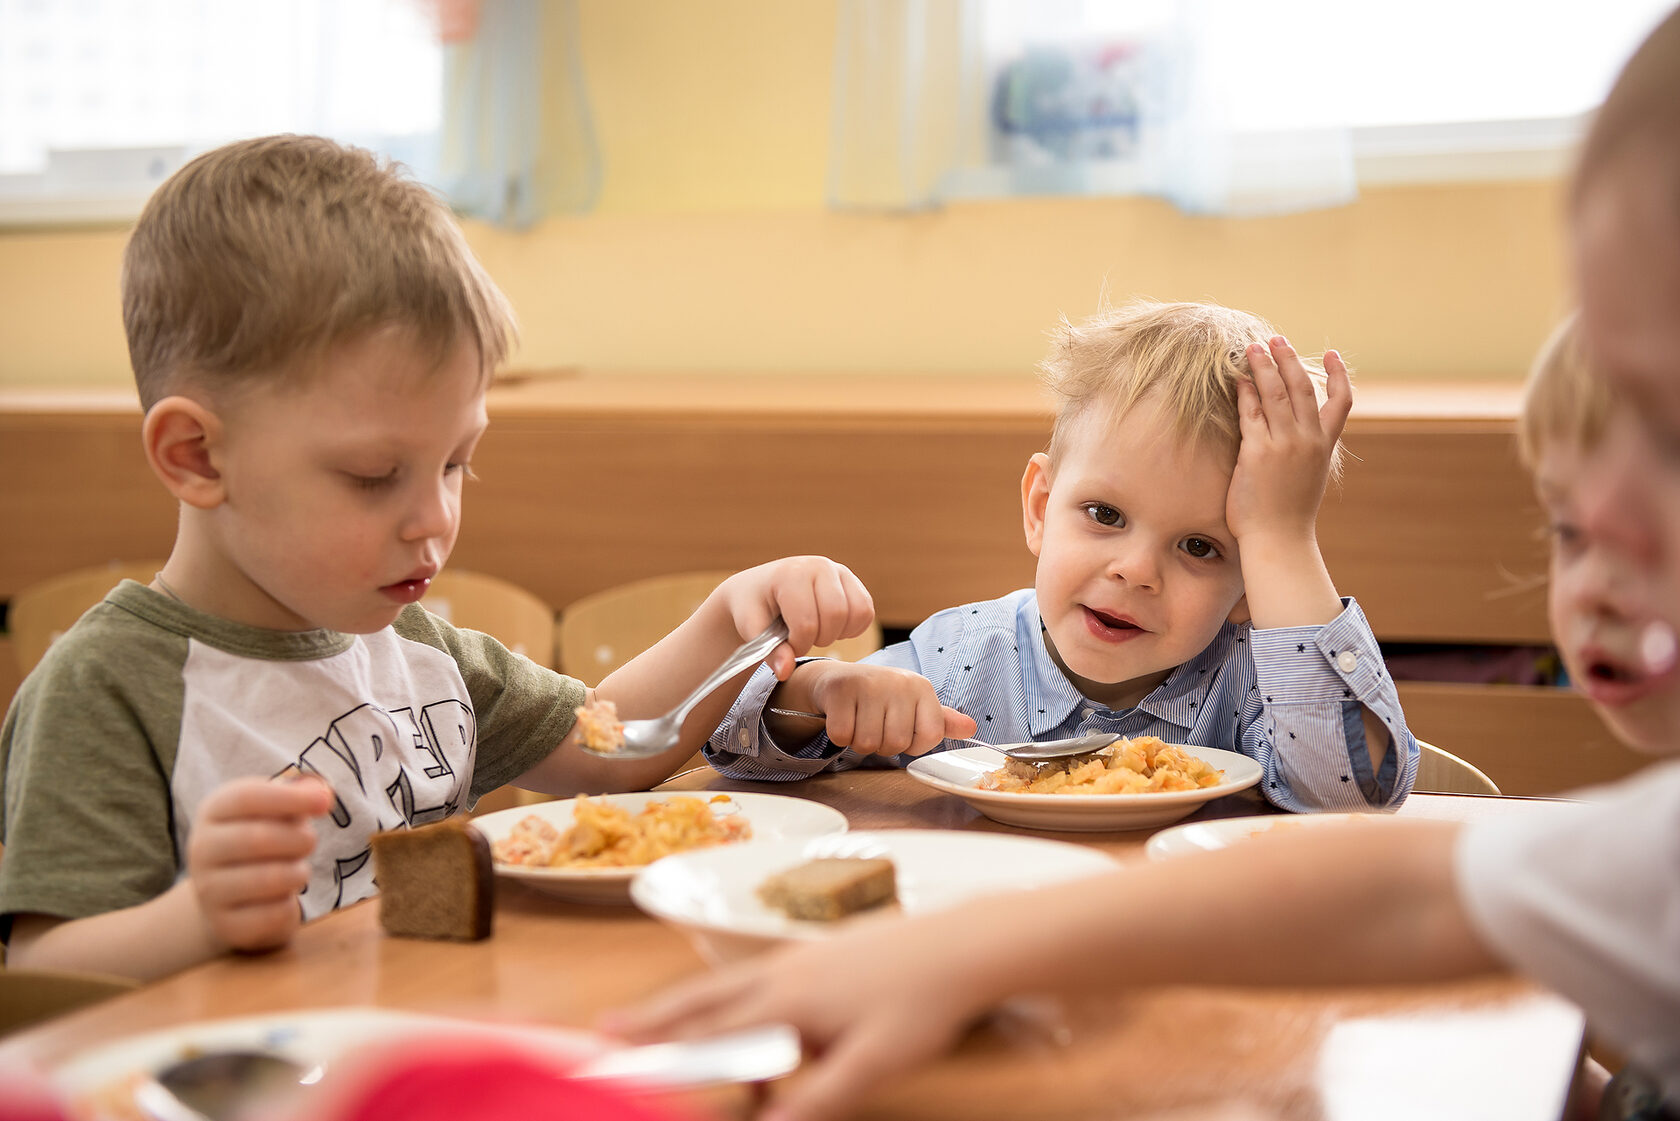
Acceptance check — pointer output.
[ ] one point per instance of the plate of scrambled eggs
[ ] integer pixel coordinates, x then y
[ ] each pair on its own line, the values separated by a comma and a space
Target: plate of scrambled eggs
1135, 784
587, 849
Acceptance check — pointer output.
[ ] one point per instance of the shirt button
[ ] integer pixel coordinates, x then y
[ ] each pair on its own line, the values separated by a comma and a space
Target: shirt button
744, 738
1346, 660
1087, 713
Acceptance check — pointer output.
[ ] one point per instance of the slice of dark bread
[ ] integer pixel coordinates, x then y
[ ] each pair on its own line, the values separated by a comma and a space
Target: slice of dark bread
435, 881
831, 887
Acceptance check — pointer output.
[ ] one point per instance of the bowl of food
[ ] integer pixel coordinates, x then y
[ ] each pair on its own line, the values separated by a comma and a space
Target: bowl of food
587, 849
1138, 783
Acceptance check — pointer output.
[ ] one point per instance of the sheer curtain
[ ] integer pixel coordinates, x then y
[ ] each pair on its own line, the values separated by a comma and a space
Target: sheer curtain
1191, 100
516, 143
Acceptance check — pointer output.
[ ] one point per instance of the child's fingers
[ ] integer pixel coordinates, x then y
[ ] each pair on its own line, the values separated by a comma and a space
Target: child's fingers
1333, 416
240, 885
244, 798
690, 1009
842, 724
252, 840
262, 926
1303, 402
958, 725
1251, 414
1269, 383
855, 1062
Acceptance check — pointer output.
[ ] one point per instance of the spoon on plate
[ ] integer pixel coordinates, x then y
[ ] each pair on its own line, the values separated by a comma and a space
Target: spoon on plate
225, 1085
1029, 751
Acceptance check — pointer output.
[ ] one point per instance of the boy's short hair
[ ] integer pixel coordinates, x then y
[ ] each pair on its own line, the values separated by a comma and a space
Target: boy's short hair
1563, 400
1191, 354
260, 255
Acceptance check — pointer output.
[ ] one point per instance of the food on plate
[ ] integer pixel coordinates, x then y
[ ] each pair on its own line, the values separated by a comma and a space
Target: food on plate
599, 725
604, 835
830, 888
435, 881
1143, 765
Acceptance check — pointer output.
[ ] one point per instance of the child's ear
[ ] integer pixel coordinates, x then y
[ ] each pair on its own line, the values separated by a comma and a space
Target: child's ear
183, 441
1239, 613
1035, 496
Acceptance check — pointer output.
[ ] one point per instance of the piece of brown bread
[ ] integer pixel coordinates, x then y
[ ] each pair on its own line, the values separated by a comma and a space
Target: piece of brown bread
831, 887
435, 881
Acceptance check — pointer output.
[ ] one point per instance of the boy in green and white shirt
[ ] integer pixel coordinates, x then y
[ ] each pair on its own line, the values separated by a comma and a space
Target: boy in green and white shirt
312, 341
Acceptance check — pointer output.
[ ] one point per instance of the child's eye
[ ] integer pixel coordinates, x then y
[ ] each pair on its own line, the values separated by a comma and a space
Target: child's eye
1565, 536
464, 468
1104, 515
1199, 547
373, 482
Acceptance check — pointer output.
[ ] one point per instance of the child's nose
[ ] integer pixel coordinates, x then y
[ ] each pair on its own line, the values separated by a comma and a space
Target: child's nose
1136, 564
432, 514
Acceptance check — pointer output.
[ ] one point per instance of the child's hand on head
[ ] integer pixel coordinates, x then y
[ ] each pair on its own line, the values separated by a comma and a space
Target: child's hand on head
1288, 440
882, 710
248, 857
821, 602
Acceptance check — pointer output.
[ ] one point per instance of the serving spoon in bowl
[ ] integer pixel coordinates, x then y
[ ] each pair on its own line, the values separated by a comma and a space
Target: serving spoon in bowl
1029, 751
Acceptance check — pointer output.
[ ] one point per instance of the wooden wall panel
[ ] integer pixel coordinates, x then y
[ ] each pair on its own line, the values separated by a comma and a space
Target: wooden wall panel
588, 482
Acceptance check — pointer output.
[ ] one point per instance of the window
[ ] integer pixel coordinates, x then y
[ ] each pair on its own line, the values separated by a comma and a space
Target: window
102, 99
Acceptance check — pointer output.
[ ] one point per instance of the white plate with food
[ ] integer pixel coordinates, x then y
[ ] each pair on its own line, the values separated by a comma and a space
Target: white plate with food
960, 772
1205, 836
713, 895
624, 832
112, 1080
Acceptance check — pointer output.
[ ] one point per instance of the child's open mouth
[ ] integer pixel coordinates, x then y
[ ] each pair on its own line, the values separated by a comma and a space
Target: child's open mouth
1110, 627
1610, 680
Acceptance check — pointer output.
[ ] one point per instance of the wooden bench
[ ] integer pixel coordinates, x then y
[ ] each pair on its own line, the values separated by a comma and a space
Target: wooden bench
590, 480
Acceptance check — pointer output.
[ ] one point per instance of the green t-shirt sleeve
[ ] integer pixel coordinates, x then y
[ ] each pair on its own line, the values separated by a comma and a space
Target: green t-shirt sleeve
85, 814
523, 710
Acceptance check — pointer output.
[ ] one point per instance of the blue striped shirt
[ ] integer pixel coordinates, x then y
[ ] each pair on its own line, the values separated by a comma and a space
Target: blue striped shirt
1289, 698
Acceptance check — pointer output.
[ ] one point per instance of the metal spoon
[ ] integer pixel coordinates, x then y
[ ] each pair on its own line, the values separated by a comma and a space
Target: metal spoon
225, 1085
1032, 751
660, 733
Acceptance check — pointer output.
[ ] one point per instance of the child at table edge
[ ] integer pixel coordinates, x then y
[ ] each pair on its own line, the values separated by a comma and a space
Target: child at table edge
1179, 502
312, 341
1584, 899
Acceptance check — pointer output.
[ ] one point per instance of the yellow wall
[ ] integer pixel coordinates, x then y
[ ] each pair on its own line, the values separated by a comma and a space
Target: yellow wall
711, 248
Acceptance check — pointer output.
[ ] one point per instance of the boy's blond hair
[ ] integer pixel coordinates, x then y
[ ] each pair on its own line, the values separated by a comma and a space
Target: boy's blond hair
1563, 400
1189, 355
256, 257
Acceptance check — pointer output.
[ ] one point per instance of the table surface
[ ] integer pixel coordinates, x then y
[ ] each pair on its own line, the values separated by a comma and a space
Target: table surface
1490, 1048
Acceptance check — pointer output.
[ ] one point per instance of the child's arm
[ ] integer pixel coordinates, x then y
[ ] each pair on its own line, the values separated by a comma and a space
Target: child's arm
1283, 465
247, 860
1332, 905
821, 602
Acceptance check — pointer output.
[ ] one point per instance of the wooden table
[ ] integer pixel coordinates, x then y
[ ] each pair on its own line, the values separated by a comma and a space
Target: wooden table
1495, 1048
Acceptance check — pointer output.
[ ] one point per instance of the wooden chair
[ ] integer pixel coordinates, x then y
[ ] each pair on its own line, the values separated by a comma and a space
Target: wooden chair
516, 618
601, 632
29, 996
41, 612
1442, 772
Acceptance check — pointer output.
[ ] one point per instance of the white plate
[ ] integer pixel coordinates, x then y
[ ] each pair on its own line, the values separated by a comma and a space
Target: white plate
712, 894
312, 1037
772, 817
957, 771
1205, 836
